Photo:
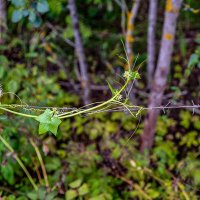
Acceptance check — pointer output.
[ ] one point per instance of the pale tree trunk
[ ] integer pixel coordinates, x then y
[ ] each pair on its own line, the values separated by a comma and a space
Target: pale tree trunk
151, 48
80, 52
161, 73
2, 20
131, 16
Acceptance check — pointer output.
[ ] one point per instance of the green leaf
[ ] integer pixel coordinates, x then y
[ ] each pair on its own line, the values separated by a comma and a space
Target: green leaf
8, 173
185, 117
41, 193
100, 197
25, 12
22, 198
83, 190
71, 194
18, 3
56, 7
52, 164
42, 6
31, 55
116, 153
13, 86
85, 30
17, 16
75, 184
194, 58
51, 196
197, 125
48, 122
32, 16
153, 193
32, 195
11, 197
37, 22
2, 72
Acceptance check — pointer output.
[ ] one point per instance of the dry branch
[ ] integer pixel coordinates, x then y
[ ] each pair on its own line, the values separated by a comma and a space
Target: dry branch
80, 52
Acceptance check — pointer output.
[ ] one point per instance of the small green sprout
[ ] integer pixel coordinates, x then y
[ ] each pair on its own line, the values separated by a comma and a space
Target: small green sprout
131, 75
115, 92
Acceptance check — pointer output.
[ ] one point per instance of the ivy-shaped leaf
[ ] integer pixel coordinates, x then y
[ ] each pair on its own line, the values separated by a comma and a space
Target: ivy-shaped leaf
48, 122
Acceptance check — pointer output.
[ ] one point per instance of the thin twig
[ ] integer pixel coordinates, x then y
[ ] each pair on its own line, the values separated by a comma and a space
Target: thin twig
135, 186
41, 162
37, 171
181, 187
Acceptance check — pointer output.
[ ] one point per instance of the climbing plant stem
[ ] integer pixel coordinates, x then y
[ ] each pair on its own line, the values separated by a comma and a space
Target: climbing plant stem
98, 106
19, 162
18, 113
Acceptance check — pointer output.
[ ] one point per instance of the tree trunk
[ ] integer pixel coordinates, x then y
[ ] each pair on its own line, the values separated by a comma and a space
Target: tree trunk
151, 40
80, 52
2, 20
163, 66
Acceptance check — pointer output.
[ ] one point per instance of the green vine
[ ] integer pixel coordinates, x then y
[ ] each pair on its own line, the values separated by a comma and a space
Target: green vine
50, 119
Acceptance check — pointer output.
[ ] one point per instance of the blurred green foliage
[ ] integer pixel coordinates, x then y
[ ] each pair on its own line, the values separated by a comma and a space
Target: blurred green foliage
30, 10
93, 157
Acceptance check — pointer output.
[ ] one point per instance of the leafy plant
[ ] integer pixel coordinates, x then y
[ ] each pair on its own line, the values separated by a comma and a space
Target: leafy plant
30, 10
50, 120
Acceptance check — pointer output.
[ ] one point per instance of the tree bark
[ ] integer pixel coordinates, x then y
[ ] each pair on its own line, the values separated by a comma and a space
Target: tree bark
80, 52
2, 20
151, 51
160, 78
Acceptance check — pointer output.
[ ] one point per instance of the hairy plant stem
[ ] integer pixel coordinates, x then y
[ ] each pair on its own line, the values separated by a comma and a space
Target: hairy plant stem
73, 112
17, 113
19, 162
98, 106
